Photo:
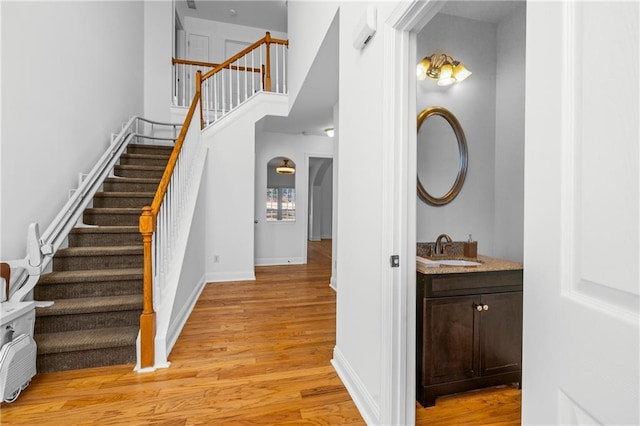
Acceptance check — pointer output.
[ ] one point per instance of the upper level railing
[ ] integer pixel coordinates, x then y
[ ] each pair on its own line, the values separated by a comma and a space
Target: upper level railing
262, 66
184, 79
224, 87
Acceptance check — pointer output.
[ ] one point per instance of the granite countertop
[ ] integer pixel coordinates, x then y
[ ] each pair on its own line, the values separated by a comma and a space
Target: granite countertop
488, 264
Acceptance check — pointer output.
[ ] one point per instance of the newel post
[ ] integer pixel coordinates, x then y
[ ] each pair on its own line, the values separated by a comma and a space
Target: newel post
199, 95
148, 317
267, 84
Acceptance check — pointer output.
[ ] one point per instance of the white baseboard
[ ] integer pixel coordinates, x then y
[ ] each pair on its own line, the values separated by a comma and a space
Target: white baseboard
216, 277
333, 283
367, 406
272, 261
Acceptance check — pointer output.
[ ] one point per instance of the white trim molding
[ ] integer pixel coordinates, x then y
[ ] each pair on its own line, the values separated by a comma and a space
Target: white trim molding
366, 404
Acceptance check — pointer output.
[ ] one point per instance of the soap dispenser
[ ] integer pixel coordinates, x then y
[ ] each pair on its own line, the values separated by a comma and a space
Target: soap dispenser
471, 248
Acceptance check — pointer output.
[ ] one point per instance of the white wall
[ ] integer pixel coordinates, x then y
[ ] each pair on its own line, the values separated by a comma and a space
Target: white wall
360, 248
473, 102
230, 185
280, 242
70, 78
192, 271
158, 38
509, 162
307, 24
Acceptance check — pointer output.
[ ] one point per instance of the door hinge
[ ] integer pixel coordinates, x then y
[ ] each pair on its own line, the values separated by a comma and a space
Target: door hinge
395, 261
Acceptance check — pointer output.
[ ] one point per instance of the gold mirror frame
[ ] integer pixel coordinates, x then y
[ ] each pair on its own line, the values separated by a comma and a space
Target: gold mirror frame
462, 149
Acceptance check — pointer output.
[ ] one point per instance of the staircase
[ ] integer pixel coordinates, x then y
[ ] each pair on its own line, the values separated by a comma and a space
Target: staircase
96, 282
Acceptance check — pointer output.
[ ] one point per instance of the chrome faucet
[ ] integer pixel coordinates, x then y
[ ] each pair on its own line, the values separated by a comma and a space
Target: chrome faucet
439, 249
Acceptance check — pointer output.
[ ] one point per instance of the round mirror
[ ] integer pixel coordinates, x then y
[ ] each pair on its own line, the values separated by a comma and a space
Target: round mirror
441, 156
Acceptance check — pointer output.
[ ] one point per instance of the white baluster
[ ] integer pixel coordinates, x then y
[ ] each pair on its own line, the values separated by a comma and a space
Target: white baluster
206, 94
284, 68
174, 88
246, 76
215, 97
223, 91
261, 76
183, 67
253, 74
275, 46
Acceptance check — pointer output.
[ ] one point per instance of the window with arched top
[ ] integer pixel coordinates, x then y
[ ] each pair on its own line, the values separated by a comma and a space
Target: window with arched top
281, 190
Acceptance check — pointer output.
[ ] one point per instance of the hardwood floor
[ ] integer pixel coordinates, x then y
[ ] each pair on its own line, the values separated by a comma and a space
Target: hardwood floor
253, 352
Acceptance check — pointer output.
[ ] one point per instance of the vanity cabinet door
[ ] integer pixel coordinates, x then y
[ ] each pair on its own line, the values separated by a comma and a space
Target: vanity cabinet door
450, 339
501, 333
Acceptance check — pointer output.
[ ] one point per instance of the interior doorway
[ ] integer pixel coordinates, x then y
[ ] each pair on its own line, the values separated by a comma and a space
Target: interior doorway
320, 200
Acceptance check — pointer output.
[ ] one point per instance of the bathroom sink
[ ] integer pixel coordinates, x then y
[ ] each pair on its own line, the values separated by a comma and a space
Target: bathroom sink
458, 262
429, 263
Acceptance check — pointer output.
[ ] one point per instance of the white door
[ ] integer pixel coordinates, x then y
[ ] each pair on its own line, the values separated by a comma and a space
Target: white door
197, 50
581, 251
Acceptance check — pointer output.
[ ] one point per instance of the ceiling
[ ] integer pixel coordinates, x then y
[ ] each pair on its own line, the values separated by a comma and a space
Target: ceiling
267, 14
486, 11
313, 109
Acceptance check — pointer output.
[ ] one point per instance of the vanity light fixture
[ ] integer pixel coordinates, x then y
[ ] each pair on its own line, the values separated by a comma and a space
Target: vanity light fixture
285, 168
329, 131
443, 68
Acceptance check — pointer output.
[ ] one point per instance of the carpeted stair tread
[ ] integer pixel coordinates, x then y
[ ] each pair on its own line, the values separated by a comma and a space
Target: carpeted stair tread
91, 275
99, 251
116, 179
114, 210
124, 194
139, 167
146, 156
105, 230
141, 147
144, 159
69, 341
84, 305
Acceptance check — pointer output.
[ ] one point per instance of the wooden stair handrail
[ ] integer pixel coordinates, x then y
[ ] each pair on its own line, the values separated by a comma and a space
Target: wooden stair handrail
211, 65
190, 62
264, 40
5, 272
147, 226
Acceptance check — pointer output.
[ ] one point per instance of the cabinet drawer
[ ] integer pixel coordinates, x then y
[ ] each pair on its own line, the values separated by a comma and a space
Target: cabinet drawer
470, 283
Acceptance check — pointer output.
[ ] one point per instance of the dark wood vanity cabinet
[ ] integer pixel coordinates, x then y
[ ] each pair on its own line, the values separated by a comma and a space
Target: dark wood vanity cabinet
469, 332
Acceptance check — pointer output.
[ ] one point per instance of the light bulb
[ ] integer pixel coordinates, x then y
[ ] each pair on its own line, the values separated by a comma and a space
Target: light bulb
460, 72
421, 69
446, 77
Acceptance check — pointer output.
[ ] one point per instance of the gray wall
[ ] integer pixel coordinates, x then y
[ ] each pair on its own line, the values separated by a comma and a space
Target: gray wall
509, 183
490, 108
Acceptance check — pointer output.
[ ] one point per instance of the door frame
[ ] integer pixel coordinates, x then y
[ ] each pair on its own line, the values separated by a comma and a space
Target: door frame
398, 359
307, 164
